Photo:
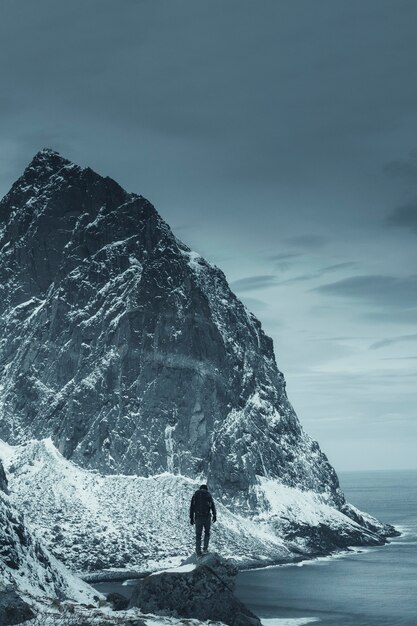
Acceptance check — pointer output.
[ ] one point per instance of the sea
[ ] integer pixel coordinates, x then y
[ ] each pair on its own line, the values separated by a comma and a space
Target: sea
372, 587
365, 587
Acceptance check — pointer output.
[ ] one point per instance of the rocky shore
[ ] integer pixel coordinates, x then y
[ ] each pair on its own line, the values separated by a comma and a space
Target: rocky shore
200, 588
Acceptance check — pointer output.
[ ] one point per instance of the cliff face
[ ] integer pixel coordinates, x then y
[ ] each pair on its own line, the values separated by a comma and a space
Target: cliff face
129, 349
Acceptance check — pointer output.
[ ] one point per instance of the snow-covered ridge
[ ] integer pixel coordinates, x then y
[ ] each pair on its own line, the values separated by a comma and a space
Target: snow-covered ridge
25, 564
92, 521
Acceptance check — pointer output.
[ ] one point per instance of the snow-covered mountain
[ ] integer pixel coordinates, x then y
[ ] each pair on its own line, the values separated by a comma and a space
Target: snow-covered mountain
133, 355
25, 564
129, 349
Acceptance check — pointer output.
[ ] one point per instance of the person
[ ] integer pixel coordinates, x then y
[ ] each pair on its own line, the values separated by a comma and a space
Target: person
202, 512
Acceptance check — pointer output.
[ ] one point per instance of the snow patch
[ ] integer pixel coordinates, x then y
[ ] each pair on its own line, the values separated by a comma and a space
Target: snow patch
288, 502
169, 444
188, 567
6, 451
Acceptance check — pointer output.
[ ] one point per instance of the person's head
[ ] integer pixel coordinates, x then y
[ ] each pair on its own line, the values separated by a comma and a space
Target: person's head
204, 487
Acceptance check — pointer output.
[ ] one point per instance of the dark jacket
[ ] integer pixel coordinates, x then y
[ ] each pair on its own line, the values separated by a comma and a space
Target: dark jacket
202, 504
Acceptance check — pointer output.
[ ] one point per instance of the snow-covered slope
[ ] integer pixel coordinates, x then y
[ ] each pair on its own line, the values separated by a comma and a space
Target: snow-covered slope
92, 521
34, 583
25, 564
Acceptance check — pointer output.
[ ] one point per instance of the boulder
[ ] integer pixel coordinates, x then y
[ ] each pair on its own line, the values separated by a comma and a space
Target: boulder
118, 601
201, 590
13, 610
3, 479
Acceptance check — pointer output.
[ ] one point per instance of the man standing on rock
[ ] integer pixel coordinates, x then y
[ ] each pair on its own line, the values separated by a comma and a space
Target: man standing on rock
202, 511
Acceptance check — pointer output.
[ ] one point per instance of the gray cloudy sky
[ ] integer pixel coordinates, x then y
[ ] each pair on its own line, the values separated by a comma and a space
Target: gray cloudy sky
279, 140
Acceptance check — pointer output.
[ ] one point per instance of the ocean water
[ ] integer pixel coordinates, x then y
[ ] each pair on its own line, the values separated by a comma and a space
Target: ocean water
375, 587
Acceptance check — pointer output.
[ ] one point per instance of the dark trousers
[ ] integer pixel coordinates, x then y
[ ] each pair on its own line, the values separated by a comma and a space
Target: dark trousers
202, 521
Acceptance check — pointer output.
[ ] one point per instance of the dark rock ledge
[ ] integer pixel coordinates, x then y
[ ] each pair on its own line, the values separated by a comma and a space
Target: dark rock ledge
13, 610
201, 589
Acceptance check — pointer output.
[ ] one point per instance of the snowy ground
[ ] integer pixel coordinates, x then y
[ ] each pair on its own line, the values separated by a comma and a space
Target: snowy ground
93, 522
72, 614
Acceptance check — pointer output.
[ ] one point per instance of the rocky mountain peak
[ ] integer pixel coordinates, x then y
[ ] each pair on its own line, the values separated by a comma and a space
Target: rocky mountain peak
130, 350
47, 160
45, 164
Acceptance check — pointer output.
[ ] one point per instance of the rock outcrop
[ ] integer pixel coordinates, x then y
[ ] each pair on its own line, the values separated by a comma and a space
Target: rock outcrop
3, 479
13, 609
201, 589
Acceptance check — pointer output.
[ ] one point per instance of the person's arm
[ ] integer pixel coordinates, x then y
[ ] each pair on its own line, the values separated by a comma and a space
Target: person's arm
213, 510
192, 510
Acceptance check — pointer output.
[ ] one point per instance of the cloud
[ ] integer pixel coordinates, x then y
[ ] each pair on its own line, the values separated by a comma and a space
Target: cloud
318, 273
399, 358
284, 256
404, 216
381, 316
252, 283
338, 266
307, 241
284, 260
341, 338
405, 169
391, 340
386, 291
301, 278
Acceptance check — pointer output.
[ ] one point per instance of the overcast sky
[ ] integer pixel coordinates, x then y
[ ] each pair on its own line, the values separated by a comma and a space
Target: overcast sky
278, 139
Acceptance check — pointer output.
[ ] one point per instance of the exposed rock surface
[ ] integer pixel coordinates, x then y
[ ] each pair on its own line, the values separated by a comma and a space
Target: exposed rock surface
203, 591
118, 602
3, 480
13, 609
